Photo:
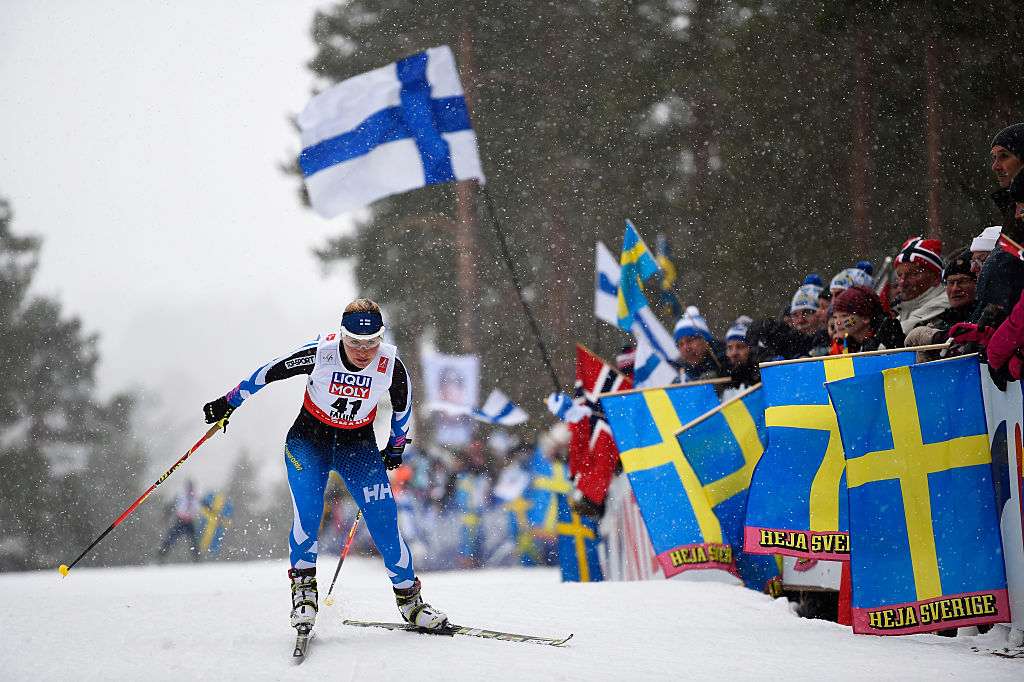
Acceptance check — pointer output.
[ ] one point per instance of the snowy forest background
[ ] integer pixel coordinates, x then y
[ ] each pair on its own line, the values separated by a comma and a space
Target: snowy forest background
765, 139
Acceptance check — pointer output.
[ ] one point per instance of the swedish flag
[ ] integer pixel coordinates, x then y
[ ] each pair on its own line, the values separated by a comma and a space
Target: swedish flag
927, 550
669, 302
548, 481
723, 447
467, 504
577, 545
797, 501
683, 528
637, 265
215, 516
519, 527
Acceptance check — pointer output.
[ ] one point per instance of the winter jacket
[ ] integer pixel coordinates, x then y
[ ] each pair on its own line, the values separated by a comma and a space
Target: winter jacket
1008, 339
1000, 285
923, 309
1001, 280
712, 366
1005, 199
771, 340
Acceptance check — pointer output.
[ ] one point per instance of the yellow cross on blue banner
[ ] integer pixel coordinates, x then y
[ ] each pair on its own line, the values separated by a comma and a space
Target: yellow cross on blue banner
520, 529
723, 447
637, 265
682, 526
549, 482
215, 511
577, 545
927, 553
797, 500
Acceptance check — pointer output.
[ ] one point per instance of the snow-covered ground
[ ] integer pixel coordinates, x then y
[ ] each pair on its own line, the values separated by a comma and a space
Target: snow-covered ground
229, 621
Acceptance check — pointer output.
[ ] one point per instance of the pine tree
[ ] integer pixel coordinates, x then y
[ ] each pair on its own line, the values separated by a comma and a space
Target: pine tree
65, 455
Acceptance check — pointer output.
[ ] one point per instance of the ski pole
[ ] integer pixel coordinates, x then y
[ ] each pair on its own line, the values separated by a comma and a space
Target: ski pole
64, 568
329, 601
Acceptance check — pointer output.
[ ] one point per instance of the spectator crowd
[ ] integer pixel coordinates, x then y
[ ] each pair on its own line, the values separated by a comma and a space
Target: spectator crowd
966, 296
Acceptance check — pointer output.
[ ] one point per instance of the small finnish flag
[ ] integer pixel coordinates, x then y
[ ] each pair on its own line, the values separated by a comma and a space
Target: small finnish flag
397, 128
655, 351
606, 285
498, 409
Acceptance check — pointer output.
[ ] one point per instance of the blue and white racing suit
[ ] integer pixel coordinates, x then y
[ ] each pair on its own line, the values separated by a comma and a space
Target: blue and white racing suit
334, 430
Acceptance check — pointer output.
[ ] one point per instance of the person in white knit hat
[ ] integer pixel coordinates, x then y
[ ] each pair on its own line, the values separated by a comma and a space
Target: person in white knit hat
701, 356
983, 245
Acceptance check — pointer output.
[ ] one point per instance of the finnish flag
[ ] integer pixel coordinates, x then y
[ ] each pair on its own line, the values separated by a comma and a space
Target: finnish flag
402, 126
655, 352
498, 409
606, 285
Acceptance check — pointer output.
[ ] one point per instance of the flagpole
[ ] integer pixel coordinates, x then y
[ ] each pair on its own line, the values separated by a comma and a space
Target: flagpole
717, 381
715, 410
519, 289
884, 351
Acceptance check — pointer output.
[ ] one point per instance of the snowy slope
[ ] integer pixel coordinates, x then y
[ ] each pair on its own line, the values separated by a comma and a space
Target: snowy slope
229, 621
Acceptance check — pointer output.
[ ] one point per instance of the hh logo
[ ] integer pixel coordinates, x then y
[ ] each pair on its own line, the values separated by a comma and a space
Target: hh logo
377, 492
382, 365
351, 385
330, 337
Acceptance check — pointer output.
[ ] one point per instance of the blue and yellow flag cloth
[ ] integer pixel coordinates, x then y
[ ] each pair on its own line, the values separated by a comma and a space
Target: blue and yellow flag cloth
723, 447
215, 512
467, 504
637, 265
927, 553
682, 526
577, 545
797, 501
548, 480
521, 530
668, 302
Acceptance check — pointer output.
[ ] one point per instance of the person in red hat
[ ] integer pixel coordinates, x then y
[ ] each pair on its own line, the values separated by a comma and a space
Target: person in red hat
922, 298
858, 315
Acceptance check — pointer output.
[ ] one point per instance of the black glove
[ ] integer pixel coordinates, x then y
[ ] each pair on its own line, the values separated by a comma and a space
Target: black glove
889, 332
218, 409
1000, 376
392, 455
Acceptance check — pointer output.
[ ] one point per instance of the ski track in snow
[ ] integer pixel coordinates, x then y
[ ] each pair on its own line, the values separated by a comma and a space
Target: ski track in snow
230, 621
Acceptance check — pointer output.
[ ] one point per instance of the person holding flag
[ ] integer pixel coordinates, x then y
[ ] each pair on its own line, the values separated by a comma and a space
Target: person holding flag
349, 372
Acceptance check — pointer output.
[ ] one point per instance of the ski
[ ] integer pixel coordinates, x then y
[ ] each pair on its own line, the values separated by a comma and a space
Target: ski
1005, 652
451, 630
302, 639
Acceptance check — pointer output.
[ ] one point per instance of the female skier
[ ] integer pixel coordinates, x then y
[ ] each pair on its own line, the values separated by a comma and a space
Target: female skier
348, 374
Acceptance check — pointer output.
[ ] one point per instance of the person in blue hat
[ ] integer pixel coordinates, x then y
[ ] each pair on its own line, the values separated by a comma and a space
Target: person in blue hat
348, 371
701, 356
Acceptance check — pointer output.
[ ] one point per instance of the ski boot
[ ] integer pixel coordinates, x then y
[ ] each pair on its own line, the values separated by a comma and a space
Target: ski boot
304, 598
416, 611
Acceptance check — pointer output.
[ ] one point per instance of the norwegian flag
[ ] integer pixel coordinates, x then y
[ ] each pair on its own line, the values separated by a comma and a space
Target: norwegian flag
592, 451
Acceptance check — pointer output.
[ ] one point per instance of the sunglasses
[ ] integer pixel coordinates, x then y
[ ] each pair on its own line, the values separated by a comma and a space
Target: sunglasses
360, 344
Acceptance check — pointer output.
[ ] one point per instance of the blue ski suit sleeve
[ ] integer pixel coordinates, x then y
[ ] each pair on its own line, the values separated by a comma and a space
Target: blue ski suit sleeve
297, 362
401, 403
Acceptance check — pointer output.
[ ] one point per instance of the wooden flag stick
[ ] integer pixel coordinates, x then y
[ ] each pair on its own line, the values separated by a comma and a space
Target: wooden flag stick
885, 351
702, 382
716, 410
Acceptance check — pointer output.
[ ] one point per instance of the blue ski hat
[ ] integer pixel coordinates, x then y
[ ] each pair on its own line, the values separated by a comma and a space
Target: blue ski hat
692, 324
815, 279
738, 330
866, 266
362, 325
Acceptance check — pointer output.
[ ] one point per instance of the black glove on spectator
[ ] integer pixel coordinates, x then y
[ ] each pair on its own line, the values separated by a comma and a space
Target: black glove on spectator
392, 456
218, 409
1000, 376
